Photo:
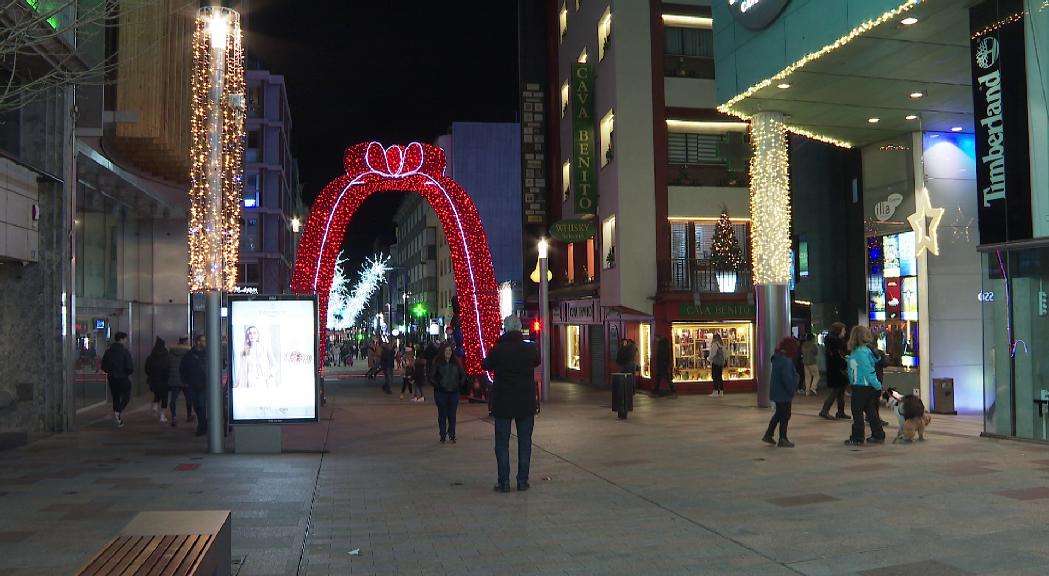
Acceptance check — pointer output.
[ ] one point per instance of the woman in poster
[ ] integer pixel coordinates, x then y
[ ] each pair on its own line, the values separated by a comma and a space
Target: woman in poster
256, 367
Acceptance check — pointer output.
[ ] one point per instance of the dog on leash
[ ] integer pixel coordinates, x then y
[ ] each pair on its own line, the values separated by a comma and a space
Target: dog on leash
911, 414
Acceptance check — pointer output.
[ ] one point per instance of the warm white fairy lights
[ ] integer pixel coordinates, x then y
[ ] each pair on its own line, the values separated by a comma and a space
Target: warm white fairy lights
216, 150
770, 199
783, 75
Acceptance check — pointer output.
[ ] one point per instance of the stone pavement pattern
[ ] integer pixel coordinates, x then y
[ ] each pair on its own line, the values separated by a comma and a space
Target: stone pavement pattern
683, 486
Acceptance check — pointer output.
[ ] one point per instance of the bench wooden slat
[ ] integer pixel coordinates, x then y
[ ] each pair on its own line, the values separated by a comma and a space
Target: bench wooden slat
194, 556
153, 559
131, 554
180, 556
91, 568
165, 558
123, 545
144, 554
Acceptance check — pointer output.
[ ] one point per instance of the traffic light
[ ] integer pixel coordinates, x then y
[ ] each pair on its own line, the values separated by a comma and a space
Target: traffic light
419, 310
536, 325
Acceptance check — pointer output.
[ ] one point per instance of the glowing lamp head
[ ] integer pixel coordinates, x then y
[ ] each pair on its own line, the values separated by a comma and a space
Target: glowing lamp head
218, 27
544, 248
296, 225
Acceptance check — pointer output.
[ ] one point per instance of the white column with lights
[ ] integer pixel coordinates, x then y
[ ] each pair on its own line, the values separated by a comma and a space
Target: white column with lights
544, 311
770, 240
216, 188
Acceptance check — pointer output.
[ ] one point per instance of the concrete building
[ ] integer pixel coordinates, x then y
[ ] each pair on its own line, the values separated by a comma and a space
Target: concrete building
635, 100
415, 262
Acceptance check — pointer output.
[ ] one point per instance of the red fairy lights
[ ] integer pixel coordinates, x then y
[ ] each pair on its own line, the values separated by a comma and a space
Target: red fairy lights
418, 168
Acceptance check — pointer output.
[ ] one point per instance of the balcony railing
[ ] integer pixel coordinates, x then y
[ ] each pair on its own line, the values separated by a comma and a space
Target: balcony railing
696, 275
706, 175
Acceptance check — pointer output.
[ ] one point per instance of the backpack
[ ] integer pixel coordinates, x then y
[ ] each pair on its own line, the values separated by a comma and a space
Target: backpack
718, 359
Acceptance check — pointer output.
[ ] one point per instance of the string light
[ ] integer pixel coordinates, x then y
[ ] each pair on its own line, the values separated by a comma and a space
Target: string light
373, 274
419, 168
729, 106
999, 24
770, 199
214, 214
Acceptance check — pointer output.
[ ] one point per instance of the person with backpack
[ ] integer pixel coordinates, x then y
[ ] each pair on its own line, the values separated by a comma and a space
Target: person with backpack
158, 372
718, 359
119, 367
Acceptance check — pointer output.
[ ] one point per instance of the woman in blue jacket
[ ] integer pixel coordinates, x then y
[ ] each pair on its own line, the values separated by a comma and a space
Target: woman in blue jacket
865, 388
782, 386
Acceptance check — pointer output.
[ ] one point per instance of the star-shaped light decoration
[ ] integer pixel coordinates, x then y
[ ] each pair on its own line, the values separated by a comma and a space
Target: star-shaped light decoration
925, 233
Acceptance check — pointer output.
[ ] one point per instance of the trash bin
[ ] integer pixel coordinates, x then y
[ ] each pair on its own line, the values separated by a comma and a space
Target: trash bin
943, 396
622, 393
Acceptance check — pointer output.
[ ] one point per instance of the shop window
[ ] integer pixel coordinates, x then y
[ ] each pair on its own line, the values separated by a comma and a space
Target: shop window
562, 21
591, 268
249, 273
687, 149
689, 42
255, 102
564, 99
572, 347
644, 349
251, 190
608, 242
691, 350
254, 145
604, 34
571, 263
607, 133
566, 180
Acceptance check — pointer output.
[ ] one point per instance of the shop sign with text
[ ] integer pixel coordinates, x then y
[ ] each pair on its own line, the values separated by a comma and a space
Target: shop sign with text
579, 312
756, 14
572, 230
717, 310
584, 144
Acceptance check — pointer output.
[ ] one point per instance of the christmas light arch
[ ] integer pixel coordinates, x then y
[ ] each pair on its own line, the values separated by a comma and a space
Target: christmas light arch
419, 168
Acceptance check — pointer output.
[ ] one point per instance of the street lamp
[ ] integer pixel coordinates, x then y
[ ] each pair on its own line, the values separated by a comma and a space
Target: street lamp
544, 312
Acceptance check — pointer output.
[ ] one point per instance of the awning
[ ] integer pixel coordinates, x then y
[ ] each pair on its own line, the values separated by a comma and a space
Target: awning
625, 313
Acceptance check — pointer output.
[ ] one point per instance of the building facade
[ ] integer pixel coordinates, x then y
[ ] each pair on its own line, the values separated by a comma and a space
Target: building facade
415, 265
639, 151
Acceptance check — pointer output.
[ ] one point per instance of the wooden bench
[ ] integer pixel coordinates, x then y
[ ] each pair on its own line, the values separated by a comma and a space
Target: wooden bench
167, 544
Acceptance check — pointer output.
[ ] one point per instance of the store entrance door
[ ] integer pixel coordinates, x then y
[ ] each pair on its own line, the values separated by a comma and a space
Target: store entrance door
597, 355
95, 327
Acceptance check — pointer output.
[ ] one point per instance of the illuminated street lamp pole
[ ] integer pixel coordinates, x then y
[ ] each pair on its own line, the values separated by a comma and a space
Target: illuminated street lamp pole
544, 312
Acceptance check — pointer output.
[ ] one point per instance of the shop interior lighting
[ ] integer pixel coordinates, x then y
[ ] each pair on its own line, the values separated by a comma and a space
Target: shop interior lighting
915, 95
909, 21
705, 127
873, 120
783, 86
912, 117
729, 106
684, 21
957, 129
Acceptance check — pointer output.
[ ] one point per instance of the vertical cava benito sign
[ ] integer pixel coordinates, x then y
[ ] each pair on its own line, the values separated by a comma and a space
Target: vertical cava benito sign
584, 145
1003, 172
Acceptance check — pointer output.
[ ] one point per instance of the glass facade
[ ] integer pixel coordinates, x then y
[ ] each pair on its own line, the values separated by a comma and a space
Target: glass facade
691, 349
1015, 326
573, 347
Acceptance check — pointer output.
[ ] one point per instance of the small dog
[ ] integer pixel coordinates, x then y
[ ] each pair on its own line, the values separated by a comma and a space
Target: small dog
913, 427
911, 414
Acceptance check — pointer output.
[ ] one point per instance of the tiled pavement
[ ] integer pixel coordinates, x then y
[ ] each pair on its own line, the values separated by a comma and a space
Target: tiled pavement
681, 487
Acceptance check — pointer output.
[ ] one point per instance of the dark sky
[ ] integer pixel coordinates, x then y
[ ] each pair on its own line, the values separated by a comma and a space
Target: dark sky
390, 71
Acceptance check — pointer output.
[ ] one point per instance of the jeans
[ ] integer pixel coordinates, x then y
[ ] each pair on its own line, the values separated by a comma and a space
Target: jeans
865, 403
812, 377
173, 401
120, 391
406, 383
447, 405
201, 408
524, 447
716, 371
663, 374
387, 374
832, 395
782, 418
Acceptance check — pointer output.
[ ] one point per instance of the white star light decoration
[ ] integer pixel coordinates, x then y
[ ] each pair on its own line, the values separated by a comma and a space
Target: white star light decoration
925, 233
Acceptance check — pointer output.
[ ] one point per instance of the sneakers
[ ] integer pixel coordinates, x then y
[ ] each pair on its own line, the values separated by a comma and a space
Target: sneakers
851, 442
402, 397
443, 440
826, 416
721, 392
501, 487
842, 416
164, 417
120, 421
523, 486
784, 443
714, 394
451, 439
768, 439
873, 440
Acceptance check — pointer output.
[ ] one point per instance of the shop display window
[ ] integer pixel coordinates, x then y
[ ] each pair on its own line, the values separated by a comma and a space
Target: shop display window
572, 347
644, 349
691, 349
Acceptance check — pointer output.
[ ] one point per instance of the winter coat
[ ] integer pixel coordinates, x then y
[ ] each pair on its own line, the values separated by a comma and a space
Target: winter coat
419, 372
513, 362
388, 358
784, 378
810, 352
175, 354
158, 371
194, 369
116, 362
834, 350
448, 377
663, 356
861, 368
714, 348
881, 360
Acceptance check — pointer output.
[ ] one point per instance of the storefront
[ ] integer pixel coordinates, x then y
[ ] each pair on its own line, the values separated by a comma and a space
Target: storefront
692, 328
892, 289
578, 353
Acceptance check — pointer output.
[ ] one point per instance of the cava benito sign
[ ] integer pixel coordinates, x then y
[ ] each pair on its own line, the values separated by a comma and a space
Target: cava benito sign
756, 14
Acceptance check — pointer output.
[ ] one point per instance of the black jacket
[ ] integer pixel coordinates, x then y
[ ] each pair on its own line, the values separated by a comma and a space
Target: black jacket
175, 355
513, 361
834, 348
386, 360
158, 369
194, 369
116, 362
663, 355
448, 376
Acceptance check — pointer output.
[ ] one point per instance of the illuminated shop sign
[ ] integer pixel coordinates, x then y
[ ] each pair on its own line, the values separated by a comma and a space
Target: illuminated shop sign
756, 14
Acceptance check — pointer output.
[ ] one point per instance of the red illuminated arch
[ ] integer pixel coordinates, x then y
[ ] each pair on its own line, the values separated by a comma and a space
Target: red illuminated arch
419, 168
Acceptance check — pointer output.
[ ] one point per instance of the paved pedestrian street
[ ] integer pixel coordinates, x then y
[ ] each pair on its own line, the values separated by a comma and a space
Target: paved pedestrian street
684, 486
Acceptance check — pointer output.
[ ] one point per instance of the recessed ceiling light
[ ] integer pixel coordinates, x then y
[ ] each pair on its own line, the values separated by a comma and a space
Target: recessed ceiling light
957, 129
912, 117
917, 95
783, 86
873, 120
909, 21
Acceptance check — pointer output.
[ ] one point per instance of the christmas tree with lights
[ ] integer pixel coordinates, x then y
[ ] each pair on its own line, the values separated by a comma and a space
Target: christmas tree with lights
725, 253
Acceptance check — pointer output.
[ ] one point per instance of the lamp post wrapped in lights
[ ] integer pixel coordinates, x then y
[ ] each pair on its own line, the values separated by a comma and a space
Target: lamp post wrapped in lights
216, 181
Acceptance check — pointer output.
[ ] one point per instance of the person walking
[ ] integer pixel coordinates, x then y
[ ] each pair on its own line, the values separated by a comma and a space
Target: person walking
512, 361
837, 378
194, 372
865, 388
420, 377
408, 371
663, 366
387, 360
718, 359
626, 358
782, 386
810, 360
447, 377
118, 366
176, 385
158, 372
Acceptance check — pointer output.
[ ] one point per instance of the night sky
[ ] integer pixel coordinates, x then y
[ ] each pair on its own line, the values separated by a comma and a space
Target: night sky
390, 71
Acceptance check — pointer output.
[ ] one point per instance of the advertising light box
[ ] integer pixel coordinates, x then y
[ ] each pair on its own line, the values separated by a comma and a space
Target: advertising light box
273, 359
891, 255
908, 260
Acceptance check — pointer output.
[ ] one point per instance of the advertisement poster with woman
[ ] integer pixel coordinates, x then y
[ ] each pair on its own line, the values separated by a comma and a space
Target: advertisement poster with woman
273, 365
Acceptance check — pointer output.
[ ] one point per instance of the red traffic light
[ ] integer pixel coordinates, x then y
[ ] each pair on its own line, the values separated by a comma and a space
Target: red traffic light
536, 325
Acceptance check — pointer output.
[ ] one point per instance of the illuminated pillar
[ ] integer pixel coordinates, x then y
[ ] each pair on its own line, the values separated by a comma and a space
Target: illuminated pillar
216, 183
544, 317
770, 240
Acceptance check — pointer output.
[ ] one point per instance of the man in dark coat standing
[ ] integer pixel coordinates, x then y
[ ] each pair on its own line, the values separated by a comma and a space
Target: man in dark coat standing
194, 372
117, 365
837, 378
513, 362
